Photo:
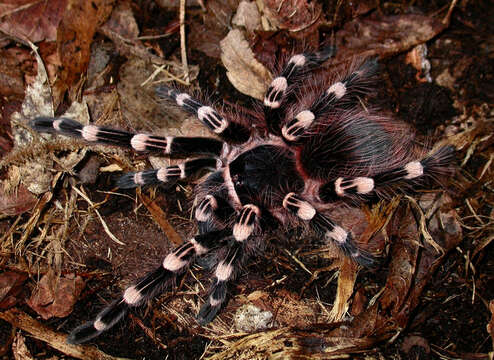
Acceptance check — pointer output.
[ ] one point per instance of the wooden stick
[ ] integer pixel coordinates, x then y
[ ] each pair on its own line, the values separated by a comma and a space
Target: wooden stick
56, 340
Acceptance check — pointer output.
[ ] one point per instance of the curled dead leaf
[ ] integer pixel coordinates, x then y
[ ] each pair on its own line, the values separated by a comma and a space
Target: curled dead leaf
245, 73
56, 295
10, 288
384, 36
248, 16
300, 17
32, 20
74, 37
17, 202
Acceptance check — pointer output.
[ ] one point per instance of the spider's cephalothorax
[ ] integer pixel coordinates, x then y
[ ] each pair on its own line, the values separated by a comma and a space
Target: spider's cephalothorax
312, 146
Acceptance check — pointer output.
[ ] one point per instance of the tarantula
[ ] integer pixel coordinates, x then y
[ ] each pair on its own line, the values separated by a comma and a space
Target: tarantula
310, 144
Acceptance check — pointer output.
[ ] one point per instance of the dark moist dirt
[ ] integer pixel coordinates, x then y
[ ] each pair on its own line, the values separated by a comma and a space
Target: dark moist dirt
449, 316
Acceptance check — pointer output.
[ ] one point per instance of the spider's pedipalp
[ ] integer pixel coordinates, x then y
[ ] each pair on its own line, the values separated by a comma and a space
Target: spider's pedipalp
399, 179
228, 130
275, 96
327, 229
245, 225
166, 175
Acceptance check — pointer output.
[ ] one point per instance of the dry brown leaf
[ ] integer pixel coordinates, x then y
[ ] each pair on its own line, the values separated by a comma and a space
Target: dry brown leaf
206, 35
10, 288
385, 36
36, 175
13, 64
410, 271
74, 38
300, 17
56, 295
245, 73
248, 16
31, 20
122, 28
122, 22
286, 307
17, 202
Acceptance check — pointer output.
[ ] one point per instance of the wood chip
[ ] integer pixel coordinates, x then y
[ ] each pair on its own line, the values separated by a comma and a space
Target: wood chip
57, 340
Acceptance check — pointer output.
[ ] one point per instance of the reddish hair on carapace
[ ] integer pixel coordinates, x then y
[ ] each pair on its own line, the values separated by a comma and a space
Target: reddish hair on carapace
318, 146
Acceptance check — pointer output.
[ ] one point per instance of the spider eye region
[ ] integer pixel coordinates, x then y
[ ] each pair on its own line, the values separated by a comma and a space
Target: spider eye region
265, 169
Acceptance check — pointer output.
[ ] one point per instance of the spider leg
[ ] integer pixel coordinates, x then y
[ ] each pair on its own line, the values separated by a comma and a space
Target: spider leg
276, 95
327, 229
168, 145
162, 278
342, 94
245, 226
230, 131
399, 179
167, 175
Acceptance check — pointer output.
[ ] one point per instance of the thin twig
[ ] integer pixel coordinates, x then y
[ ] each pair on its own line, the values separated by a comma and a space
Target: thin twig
56, 340
182, 41
105, 227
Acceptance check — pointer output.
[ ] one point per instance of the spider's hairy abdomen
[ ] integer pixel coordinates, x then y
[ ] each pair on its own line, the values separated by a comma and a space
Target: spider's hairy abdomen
310, 146
355, 144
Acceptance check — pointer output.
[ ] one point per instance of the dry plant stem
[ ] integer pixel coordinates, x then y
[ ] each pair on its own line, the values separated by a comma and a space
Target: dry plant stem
150, 333
171, 77
300, 263
56, 340
346, 282
153, 75
18, 9
160, 217
447, 18
105, 226
182, 41
423, 226
33, 220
